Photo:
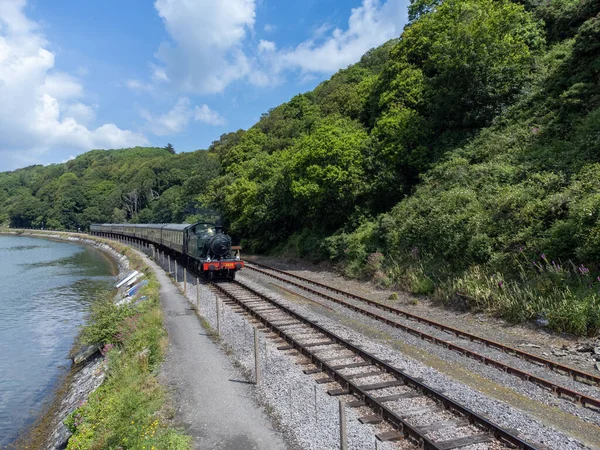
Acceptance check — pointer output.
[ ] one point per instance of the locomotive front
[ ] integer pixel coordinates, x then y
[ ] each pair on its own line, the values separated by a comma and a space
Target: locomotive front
216, 257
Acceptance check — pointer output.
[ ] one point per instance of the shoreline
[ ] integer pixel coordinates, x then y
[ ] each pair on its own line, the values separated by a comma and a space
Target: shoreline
73, 387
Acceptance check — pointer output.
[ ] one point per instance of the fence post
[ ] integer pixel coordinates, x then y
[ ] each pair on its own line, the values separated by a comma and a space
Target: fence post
218, 318
198, 294
343, 434
256, 357
184, 280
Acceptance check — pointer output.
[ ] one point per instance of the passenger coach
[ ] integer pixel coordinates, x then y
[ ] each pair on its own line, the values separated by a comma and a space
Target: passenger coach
203, 245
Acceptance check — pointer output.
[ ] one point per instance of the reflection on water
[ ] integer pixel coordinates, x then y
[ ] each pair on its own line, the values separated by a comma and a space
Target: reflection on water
45, 290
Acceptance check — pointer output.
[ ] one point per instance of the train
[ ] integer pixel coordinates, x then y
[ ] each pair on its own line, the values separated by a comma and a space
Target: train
202, 245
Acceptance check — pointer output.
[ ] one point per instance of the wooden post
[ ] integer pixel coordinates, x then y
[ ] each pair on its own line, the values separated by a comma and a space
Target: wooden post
184, 280
316, 406
218, 318
198, 294
343, 434
256, 357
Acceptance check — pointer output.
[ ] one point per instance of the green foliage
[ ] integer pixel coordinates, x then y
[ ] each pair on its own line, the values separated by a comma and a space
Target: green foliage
470, 139
418, 8
127, 410
108, 186
105, 322
480, 218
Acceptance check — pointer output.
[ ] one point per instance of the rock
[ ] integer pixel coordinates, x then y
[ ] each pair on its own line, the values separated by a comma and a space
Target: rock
558, 353
597, 350
85, 353
585, 348
529, 345
598, 366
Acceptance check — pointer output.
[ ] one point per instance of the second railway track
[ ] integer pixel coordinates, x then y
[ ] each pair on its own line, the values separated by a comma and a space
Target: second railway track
410, 407
559, 390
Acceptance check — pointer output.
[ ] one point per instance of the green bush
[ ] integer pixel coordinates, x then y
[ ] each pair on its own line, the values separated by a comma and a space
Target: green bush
128, 410
105, 322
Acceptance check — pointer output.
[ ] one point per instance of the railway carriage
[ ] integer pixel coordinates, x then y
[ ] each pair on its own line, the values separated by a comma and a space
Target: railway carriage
96, 228
203, 245
173, 237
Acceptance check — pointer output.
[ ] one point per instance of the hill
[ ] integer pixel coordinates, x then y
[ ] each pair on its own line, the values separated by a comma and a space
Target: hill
136, 185
460, 160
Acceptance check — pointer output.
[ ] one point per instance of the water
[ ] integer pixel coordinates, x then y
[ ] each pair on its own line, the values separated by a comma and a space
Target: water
45, 291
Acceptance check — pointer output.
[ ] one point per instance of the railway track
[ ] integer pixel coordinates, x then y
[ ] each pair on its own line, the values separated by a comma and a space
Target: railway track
557, 389
411, 408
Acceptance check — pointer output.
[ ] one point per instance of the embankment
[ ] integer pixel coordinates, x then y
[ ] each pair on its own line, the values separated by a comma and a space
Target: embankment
93, 407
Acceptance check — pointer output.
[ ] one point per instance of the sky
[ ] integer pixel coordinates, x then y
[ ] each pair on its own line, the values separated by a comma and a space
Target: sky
81, 75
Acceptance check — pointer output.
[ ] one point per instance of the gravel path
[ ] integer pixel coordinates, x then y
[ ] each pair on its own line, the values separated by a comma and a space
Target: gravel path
213, 401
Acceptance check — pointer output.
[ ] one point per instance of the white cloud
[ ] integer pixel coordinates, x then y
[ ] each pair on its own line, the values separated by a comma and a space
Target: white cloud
369, 25
41, 108
137, 85
62, 86
208, 49
173, 121
178, 118
158, 74
206, 53
205, 114
266, 46
80, 112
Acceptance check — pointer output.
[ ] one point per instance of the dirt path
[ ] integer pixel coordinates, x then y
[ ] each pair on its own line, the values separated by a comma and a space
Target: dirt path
214, 403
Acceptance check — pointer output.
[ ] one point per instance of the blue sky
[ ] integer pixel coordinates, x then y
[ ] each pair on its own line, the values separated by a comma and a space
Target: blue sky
77, 75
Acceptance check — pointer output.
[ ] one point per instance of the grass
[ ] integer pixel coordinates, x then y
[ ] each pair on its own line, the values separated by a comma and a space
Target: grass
129, 410
563, 297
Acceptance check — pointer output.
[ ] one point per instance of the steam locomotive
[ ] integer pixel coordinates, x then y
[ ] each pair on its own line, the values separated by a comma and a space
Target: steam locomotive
203, 245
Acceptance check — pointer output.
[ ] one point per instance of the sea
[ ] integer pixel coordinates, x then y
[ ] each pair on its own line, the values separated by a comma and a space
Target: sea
46, 288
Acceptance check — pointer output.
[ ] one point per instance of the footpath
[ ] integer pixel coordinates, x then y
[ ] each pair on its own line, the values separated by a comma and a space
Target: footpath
213, 402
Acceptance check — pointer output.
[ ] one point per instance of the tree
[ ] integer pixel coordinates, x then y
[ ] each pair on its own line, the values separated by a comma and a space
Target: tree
170, 148
418, 8
327, 173
477, 56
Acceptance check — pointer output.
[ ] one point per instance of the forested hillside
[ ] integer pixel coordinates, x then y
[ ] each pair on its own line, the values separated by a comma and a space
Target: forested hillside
460, 160
131, 185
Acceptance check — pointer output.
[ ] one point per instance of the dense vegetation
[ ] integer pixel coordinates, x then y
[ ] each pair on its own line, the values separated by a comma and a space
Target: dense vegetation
138, 185
461, 160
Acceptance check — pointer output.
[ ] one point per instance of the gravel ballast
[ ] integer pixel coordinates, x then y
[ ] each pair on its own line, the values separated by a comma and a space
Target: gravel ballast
515, 383
289, 394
